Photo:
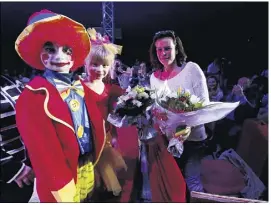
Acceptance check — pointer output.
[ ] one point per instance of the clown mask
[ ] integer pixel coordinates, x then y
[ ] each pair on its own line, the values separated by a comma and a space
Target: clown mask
57, 58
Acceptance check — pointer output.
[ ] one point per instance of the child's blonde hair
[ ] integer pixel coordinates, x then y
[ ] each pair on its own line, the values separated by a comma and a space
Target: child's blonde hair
102, 50
100, 54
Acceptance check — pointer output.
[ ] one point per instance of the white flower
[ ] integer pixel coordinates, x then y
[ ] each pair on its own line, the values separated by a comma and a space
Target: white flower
173, 95
119, 101
128, 89
204, 103
194, 99
186, 91
153, 96
137, 103
147, 88
164, 91
124, 98
121, 98
132, 94
143, 95
164, 98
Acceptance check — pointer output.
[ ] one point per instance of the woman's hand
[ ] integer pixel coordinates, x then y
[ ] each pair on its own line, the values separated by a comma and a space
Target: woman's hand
183, 134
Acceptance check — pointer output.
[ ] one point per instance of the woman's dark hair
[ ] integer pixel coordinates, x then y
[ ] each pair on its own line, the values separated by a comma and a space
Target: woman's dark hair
181, 55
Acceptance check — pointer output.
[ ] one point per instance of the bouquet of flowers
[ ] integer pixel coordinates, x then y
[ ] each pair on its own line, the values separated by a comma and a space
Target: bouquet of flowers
175, 111
134, 108
134, 102
180, 102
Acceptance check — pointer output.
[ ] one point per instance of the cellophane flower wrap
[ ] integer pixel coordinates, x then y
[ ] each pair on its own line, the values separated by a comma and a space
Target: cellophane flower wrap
173, 109
134, 108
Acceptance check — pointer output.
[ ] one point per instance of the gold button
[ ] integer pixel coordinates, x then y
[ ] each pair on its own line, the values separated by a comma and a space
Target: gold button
74, 105
80, 131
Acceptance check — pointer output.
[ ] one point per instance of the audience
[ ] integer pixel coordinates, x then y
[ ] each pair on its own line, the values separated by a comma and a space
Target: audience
215, 92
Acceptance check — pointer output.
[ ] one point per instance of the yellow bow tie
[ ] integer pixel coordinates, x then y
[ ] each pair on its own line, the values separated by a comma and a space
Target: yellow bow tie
65, 89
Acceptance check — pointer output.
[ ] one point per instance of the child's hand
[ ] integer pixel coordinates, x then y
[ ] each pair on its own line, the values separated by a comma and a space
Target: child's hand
114, 143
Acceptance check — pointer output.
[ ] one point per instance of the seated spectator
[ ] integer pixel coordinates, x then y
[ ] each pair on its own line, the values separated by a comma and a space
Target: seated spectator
143, 76
120, 74
23, 79
244, 82
249, 108
14, 74
262, 84
263, 111
134, 78
6, 72
237, 94
216, 68
265, 73
124, 78
263, 115
17, 175
215, 92
254, 77
228, 129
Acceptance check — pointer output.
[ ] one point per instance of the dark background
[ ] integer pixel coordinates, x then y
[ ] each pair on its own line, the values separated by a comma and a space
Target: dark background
237, 31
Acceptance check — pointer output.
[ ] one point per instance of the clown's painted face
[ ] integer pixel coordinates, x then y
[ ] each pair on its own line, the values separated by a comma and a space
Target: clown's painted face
57, 58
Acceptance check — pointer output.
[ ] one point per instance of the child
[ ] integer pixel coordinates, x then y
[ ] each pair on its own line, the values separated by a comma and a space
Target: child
62, 131
98, 64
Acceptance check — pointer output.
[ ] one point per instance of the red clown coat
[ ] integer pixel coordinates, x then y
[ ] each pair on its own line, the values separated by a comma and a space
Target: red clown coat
46, 126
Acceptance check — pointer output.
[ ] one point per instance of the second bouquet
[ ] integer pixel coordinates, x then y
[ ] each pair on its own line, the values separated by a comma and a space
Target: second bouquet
175, 111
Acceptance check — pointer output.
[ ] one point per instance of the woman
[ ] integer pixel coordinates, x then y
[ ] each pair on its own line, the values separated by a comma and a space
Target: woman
159, 178
168, 58
98, 64
215, 92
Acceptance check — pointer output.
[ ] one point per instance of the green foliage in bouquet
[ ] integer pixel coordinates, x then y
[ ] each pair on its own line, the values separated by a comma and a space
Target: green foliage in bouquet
180, 101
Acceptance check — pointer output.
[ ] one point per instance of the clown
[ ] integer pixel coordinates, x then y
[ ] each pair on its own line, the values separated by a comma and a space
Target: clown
63, 132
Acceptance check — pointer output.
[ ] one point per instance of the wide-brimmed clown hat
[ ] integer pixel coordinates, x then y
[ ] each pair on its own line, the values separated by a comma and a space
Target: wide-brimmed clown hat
47, 26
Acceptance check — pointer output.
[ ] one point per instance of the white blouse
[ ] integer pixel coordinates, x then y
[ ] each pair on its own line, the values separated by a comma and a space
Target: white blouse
190, 78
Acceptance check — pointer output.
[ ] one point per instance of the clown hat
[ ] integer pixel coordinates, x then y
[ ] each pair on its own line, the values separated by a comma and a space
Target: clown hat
47, 26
